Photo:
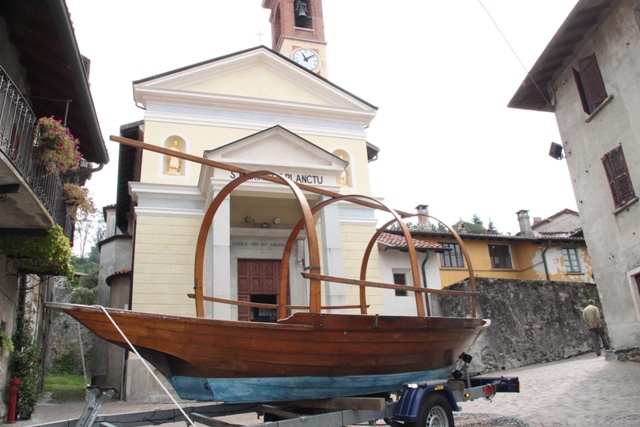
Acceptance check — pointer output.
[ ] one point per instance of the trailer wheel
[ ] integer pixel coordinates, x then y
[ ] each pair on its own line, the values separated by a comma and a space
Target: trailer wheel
435, 411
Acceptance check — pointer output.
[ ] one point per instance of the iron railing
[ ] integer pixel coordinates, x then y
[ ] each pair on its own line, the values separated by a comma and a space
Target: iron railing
17, 124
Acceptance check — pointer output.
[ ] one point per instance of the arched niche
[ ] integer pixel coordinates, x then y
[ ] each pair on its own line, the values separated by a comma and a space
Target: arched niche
173, 166
345, 178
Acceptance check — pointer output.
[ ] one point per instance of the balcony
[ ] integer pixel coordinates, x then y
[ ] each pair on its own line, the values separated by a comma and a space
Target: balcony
30, 198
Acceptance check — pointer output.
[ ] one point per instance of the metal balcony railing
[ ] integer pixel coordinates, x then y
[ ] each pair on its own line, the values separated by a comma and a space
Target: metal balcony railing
17, 124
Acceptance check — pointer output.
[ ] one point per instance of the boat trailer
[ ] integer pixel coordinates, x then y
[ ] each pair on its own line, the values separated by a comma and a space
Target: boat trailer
417, 405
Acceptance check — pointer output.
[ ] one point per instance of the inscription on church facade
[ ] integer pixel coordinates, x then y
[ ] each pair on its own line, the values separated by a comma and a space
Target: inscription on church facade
257, 244
298, 178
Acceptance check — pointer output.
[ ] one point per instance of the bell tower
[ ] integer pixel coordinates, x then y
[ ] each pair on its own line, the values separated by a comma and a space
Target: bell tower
297, 32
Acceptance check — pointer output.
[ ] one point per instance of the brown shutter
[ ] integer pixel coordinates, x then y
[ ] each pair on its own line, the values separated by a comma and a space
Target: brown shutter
592, 80
583, 97
618, 176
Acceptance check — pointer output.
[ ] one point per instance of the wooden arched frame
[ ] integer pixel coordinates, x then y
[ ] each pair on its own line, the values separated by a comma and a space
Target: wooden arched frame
374, 238
284, 268
307, 220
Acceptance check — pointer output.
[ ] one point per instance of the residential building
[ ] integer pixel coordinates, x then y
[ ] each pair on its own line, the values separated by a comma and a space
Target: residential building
42, 74
559, 255
589, 77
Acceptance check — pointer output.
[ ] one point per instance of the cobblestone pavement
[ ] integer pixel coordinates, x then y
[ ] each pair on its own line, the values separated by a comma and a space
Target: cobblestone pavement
581, 391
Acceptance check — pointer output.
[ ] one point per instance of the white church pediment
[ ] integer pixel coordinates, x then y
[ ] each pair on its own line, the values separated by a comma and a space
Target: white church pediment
257, 79
277, 150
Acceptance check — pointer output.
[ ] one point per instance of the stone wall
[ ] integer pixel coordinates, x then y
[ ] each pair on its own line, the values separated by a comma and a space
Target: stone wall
531, 321
63, 334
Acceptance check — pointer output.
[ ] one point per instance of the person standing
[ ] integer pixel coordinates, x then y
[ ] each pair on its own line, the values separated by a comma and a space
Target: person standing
591, 316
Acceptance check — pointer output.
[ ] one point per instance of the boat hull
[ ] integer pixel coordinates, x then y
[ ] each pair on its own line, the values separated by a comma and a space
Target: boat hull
278, 389
305, 356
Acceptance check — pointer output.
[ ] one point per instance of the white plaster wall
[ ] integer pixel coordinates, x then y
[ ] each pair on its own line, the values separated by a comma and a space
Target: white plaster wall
394, 261
613, 238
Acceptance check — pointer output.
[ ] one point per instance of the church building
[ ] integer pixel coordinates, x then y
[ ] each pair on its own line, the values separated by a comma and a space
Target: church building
259, 109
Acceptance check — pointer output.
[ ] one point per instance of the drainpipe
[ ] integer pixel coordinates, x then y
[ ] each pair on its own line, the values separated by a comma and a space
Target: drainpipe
544, 260
424, 280
84, 171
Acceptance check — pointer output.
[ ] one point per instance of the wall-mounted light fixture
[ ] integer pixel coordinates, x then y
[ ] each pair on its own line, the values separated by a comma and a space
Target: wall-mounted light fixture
555, 151
265, 225
248, 220
276, 221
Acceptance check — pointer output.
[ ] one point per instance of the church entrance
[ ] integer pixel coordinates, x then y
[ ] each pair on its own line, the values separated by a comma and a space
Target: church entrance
258, 281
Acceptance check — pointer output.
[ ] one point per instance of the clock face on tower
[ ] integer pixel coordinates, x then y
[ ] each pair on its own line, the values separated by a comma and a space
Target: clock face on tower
307, 58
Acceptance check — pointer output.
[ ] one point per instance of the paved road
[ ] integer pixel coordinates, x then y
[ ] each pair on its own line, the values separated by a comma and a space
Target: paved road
581, 391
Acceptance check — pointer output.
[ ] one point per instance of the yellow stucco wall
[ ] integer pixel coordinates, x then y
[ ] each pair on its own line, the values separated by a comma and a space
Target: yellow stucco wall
526, 258
163, 264
200, 138
258, 82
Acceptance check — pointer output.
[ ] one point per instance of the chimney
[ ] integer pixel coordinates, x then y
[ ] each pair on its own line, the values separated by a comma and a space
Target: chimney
461, 228
525, 223
423, 222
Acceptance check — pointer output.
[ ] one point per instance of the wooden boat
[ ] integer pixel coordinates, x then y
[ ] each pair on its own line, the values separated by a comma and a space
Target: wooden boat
304, 355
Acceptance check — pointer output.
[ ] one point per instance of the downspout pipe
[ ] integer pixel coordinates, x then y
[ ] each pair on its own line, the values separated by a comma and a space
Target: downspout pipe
544, 260
424, 281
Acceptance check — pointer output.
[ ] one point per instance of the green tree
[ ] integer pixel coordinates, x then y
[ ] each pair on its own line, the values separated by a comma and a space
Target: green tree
491, 229
477, 220
84, 285
410, 225
440, 228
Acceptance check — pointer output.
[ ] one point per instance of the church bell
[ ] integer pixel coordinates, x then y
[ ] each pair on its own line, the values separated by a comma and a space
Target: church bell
301, 9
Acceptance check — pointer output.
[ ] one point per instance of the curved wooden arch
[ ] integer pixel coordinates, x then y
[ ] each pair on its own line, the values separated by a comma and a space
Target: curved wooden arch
472, 278
307, 220
282, 309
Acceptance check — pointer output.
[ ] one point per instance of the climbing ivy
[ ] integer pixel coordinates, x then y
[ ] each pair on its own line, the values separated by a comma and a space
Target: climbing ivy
50, 254
5, 342
25, 359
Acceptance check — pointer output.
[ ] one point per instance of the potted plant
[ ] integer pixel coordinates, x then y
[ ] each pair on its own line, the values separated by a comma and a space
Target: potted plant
59, 149
78, 199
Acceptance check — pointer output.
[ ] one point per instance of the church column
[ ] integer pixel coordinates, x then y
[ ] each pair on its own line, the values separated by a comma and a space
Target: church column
219, 269
332, 253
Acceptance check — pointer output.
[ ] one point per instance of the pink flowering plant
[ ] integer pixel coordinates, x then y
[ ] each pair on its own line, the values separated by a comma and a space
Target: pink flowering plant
79, 199
59, 148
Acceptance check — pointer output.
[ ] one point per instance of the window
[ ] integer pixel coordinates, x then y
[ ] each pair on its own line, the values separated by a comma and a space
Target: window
590, 85
452, 258
618, 175
400, 279
500, 256
571, 264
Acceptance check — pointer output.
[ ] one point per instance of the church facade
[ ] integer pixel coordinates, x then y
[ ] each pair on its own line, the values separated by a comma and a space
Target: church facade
258, 109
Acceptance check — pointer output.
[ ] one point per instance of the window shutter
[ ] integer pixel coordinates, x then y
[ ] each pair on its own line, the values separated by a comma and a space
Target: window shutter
618, 176
592, 80
583, 97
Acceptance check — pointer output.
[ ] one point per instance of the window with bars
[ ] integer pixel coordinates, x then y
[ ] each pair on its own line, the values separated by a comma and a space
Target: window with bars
400, 279
617, 172
500, 256
571, 263
452, 258
589, 82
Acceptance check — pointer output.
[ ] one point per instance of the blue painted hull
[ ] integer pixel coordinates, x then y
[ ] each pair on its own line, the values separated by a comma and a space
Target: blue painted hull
278, 389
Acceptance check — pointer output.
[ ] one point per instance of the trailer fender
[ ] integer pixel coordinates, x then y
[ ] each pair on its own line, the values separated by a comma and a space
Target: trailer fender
412, 397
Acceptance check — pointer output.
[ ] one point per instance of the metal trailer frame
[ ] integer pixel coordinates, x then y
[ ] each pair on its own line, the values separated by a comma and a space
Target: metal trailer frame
336, 412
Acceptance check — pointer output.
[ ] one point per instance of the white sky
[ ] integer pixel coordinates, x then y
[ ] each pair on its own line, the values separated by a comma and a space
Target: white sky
439, 71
